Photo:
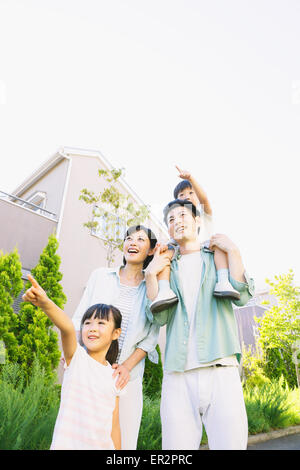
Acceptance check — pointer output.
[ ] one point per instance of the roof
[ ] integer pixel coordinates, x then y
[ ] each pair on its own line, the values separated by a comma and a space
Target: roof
66, 153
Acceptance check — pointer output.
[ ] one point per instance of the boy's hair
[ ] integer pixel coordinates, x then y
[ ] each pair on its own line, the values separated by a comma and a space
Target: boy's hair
104, 311
180, 202
180, 187
150, 235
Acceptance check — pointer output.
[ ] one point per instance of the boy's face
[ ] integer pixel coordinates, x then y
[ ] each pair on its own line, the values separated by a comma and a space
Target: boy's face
189, 194
182, 225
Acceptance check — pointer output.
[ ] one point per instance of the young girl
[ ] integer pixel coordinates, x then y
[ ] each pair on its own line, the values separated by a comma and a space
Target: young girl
88, 416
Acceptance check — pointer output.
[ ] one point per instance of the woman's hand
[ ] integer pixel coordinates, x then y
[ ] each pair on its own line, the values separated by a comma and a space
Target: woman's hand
160, 260
124, 375
35, 294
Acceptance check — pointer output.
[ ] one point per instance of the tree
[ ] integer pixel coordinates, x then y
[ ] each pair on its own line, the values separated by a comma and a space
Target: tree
10, 287
37, 337
113, 211
279, 328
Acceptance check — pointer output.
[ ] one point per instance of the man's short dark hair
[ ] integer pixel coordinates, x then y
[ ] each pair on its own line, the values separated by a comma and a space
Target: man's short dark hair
180, 202
181, 186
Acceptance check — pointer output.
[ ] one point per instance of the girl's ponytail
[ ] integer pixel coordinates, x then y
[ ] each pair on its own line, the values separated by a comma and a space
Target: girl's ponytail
112, 353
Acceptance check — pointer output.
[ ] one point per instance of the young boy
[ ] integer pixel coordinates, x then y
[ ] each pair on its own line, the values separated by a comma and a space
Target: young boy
189, 189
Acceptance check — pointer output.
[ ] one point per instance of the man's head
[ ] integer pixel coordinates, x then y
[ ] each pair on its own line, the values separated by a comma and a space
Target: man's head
181, 218
184, 190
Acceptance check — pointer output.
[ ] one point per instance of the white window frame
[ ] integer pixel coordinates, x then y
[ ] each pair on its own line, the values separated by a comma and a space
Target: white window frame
99, 231
39, 198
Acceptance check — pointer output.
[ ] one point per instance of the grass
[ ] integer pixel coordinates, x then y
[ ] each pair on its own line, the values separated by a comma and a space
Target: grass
28, 411
269, 406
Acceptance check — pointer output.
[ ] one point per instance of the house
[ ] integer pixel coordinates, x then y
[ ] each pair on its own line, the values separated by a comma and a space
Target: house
48, 202
245, 316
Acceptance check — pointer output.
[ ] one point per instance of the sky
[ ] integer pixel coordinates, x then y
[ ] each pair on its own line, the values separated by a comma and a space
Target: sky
210, 86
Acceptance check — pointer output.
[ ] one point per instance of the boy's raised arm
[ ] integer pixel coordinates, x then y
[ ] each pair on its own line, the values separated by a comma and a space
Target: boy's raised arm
38, 297
200, 193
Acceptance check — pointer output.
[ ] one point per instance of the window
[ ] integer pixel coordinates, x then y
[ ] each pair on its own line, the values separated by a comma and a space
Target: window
39, 200
109, 226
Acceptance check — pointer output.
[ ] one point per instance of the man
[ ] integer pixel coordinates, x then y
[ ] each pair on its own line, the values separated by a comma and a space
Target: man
201, 380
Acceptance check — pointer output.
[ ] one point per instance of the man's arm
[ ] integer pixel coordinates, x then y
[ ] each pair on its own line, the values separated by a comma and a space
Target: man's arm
235, 263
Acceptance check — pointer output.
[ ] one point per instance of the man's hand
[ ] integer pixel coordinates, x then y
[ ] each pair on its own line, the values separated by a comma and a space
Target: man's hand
185, 175
223, 243
35, 294
124, 375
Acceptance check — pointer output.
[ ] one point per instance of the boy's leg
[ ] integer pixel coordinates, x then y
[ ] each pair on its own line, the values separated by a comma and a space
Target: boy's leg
225, 419
223, 287
180, 417
166, 297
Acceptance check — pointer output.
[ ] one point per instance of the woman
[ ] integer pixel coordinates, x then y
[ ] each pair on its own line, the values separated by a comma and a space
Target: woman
125, 288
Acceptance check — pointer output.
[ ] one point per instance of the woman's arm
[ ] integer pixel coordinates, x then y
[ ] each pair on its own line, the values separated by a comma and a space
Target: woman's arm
124, 369
38, 297
115, 430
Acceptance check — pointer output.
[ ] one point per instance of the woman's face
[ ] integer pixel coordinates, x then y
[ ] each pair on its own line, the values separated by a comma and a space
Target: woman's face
136, 247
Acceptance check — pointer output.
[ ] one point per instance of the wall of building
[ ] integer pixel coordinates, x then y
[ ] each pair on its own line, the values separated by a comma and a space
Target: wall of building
52, 183
24, 229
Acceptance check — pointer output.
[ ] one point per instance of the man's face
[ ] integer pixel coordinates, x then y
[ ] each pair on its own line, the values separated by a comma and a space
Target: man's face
182, 224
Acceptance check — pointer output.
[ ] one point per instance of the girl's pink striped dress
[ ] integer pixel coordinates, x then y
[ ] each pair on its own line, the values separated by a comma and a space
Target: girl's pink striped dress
88, 399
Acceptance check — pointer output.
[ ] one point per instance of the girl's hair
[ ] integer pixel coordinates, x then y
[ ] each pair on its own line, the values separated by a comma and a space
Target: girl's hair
150, 235
104, 311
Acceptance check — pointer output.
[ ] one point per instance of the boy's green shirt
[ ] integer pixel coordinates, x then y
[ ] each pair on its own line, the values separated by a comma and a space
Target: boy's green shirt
216, 327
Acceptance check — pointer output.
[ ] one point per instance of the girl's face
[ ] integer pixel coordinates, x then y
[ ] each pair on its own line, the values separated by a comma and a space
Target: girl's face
136, 247
98, 333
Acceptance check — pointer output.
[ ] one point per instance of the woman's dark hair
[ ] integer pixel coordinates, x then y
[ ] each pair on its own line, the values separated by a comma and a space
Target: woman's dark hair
104, 311
181, 186
182, 203
150, 235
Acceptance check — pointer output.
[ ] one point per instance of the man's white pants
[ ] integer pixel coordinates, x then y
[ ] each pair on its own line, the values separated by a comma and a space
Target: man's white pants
130, 414
210, 395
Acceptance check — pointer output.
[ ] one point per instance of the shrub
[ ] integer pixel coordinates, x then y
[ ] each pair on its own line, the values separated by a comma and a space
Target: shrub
270, 406
153, 375
150, 430
28, 409
10, 287
36, 334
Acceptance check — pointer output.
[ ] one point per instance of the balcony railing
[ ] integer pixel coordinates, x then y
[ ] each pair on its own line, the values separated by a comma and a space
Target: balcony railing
29, 205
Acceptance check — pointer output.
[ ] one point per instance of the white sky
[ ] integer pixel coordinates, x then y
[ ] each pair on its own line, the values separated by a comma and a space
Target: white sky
212, 86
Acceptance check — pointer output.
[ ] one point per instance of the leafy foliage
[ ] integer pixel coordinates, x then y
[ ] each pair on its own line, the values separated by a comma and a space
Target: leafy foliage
28, 408
10, 287
153, 376
279, 329
271, 406
36, 335
114, 210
